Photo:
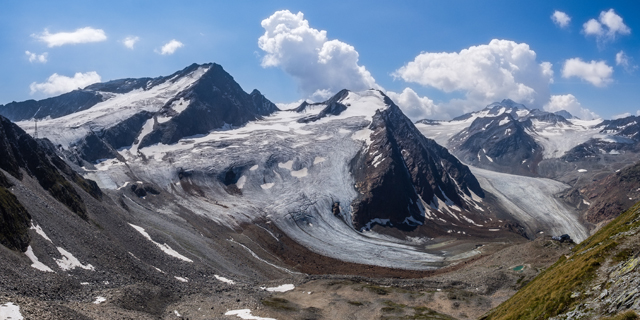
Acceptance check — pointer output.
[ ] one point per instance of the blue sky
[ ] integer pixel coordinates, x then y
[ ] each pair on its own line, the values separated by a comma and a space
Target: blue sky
457, 65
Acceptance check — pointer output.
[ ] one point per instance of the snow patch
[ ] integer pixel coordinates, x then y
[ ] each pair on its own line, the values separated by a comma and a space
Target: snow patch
223, 279
267, 185
69, 262
582, 170
164, 247
281, 288
364, 135
10, 311
254, 168
318, 160
99, 300
241, 181
180, 105
299, 173
39, 231
181, 279
286, 165
245, 314
34, 261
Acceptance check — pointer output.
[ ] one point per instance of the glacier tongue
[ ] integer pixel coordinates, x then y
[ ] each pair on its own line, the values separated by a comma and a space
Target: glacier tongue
291, 171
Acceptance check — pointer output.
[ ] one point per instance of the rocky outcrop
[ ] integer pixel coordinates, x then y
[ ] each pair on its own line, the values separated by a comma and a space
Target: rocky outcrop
215, 101
498, 143
55, 107
14, 219
616, 193
21, 153
400, 169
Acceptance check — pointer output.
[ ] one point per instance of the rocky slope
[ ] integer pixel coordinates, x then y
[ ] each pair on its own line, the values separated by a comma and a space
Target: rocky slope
616, 193
598, 279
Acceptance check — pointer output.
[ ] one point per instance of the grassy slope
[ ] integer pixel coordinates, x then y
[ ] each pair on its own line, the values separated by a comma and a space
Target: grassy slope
549, 293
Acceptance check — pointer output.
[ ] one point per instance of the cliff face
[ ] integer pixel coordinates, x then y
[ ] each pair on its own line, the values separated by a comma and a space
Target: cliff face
402, 173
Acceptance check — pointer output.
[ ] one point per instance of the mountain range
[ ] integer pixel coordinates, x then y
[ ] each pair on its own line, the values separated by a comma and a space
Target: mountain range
187, 176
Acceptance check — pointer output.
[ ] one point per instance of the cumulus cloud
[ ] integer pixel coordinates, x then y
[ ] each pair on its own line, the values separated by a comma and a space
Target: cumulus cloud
320, 66
623, 60
130, 42
416, 107
607, 27
485, 73
569, 103
57, 84
33, 57
170, 47
620, 116
560, 18
598, 73
82, 35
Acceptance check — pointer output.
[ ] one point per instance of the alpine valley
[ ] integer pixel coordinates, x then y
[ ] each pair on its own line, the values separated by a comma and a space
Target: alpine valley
184, 196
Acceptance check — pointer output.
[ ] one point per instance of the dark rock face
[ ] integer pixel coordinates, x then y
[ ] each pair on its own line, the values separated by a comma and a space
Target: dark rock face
55, 107
613, 195
215, 101
498, 143
21, 152
402, 165
334, 107
104, 144
623, 136
14, 219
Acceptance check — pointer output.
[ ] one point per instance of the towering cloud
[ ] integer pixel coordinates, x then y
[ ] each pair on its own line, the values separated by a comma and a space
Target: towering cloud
321, 66
484, 73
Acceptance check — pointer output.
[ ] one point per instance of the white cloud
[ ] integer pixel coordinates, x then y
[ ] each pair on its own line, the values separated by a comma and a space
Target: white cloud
34, 57
130, 42
485, 73
597, 73
622, 115
416, 107
593, 27
170, 47
609, 19
82, 35
623, 60
569, 103
320, 66
57, 84
289, 105
560, 18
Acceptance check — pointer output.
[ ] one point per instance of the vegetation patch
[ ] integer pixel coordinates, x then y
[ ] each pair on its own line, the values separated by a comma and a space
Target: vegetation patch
391, 306
279, 304
378, 289
550, 293
628, 315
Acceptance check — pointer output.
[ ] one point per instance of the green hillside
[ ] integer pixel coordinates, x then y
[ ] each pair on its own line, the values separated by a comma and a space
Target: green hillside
600, 278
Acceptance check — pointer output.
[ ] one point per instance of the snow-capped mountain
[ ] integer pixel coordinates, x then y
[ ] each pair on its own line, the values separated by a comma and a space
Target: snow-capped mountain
508, 137
331, 176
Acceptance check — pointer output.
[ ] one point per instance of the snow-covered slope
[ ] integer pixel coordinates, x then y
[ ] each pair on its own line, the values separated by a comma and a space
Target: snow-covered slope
498, 128
300, 175
116, 108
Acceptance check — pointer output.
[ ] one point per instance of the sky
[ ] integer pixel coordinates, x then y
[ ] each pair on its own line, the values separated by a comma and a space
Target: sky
435, 59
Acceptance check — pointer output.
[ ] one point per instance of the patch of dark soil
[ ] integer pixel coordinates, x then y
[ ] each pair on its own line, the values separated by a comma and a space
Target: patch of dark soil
148, 299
